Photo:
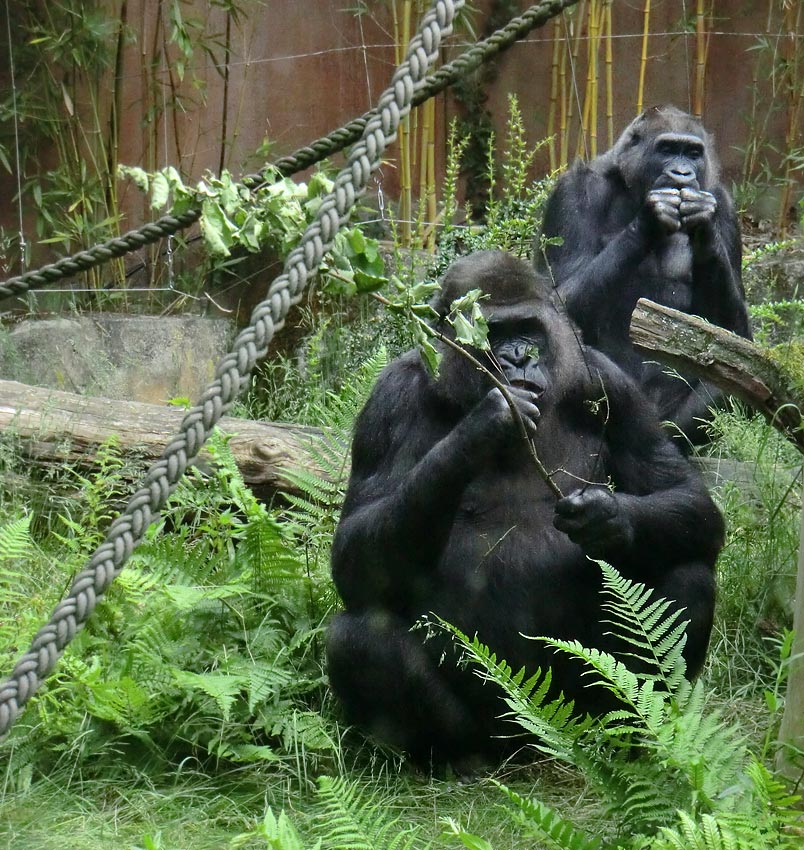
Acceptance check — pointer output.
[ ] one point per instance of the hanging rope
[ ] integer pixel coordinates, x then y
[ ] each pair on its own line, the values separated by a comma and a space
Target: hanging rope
128, 529
501, 40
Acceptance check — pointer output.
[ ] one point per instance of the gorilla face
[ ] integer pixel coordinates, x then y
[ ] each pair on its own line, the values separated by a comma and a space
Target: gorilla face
517, 351
677, 161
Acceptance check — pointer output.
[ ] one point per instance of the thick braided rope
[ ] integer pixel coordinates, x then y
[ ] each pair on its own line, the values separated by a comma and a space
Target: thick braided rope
128, 529
304, 157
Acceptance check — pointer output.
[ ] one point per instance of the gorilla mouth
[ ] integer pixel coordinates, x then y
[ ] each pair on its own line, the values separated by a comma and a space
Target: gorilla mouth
524, 384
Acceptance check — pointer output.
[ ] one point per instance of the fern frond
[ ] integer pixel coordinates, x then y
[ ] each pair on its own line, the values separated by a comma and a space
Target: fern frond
322, 495
279, 833
651, 628
612, 675
15, 539
709, 833
552, 723
223, 688
356, 821
548, 823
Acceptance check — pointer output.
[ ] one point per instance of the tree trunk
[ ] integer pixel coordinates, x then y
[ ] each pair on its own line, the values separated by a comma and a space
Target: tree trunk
55, 426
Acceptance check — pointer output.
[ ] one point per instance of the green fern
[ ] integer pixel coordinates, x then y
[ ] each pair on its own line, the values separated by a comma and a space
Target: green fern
548, 823
669, 771
552, 723
15, 545
15, 539
322, 494
353, 820
278, 833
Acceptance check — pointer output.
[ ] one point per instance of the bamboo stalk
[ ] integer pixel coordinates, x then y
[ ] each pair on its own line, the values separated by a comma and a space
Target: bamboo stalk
644, 61
432, 200
564, 95
700, 63
609, 75
796, 96
594, 46
587, 139
572, 95
551, 118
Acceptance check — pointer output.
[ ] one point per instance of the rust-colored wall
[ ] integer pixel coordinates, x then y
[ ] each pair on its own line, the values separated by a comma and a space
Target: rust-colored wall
300, 68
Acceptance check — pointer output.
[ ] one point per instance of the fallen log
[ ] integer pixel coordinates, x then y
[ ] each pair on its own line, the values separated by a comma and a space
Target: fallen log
735, 365
56, 426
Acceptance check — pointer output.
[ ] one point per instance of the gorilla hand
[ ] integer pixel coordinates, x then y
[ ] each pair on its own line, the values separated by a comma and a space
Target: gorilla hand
592, 519
495, 416
662, 208
697, 208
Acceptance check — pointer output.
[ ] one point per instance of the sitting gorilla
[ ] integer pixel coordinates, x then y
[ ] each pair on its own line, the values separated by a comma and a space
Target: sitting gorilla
648, 219
445, 513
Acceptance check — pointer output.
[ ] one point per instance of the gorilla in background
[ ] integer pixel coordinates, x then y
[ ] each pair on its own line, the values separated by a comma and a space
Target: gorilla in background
445, 513
648, 219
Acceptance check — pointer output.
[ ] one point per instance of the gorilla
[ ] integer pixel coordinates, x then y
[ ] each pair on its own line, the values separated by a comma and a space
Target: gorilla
446, 514
648, 219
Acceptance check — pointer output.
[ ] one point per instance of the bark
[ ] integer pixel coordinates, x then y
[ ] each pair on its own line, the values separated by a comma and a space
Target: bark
56, 426
732, 363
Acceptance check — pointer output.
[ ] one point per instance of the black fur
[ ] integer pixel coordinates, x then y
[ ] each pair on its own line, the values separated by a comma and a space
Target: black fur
649, 218
445, 513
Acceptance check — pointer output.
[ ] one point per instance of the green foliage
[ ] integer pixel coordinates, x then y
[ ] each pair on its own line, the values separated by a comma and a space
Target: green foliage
352, 820
759, 496
777, 322
515, 202
668, 770
272, 216
15, 539
207, 644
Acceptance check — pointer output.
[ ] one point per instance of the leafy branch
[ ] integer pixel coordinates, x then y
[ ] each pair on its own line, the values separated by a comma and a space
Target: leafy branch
471, 331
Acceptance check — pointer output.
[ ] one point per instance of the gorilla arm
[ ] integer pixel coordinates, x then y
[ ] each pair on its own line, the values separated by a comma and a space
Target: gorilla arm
717, 289
410, 466
603, 242
659, 513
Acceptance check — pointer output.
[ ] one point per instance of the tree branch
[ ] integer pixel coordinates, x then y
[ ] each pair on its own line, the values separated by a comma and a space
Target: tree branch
729, 361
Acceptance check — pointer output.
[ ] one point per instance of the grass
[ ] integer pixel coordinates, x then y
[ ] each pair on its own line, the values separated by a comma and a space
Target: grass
193, 810
125, 796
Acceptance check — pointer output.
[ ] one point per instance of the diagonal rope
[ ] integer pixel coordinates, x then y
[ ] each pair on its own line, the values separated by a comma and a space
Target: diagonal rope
127, 531
536, 16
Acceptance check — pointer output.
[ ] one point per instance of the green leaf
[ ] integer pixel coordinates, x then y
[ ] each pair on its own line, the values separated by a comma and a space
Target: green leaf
160, 191
432, 358
137, 175
217, 229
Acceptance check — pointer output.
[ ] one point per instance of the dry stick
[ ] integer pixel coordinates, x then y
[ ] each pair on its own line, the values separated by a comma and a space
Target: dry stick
434, 334
644, 61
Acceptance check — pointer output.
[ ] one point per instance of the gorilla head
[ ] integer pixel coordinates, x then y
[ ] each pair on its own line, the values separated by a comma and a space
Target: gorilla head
529, 336
663, 148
